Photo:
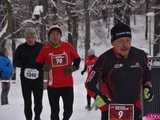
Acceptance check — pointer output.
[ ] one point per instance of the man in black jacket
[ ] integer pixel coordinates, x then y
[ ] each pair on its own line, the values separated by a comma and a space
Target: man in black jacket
124, 70
31, 73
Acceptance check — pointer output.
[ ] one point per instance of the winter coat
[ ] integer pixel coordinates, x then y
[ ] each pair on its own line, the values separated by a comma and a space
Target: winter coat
25, 58
6, 68
123, 76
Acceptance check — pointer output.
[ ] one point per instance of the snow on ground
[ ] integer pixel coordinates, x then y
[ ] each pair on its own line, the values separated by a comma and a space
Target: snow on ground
100, 43
14, 110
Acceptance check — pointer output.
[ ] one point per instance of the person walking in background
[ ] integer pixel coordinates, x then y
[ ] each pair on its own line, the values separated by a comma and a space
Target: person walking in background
124, 70
31, 74
5, 74
90, 60
61, 59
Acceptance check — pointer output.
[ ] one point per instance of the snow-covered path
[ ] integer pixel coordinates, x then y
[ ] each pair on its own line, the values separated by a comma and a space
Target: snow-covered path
14, 111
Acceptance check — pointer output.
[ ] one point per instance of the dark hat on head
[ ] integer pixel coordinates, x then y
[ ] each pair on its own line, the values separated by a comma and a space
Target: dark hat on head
120, 30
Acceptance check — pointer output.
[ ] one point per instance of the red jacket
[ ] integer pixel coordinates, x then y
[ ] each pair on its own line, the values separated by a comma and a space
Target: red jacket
89, 62
59, 58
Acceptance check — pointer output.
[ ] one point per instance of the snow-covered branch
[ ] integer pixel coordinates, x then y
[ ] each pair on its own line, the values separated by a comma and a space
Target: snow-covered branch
53, 3
4, 30
4, 18
68, 3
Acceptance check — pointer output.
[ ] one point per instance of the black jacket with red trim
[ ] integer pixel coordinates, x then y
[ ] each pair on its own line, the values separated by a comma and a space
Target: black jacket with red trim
123, 76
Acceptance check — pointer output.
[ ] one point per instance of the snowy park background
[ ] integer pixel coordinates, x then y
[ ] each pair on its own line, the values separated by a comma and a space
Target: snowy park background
100, 42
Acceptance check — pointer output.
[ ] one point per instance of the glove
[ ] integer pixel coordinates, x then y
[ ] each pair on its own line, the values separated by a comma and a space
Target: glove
68, 70
82, 72
14, 75
47, 67
148, 93
102, 100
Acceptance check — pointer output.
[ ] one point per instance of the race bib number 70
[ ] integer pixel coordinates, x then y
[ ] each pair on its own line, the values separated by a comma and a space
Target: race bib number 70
121, 112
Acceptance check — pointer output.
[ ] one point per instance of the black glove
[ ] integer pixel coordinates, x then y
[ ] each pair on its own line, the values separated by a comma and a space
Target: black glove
106, 99
13, 75
68, 70
47, 67
82, 72
147, 93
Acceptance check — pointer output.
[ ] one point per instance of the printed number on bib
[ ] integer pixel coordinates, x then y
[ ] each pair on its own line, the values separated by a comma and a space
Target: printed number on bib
31, 73
121, 112
59, 60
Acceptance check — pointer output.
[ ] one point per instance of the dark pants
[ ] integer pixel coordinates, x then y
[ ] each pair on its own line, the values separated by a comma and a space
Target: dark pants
54, 95
29, 87
137, 115
4, 93
88, 101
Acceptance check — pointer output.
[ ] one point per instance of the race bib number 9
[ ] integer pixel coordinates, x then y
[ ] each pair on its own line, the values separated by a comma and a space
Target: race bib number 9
121, 112
31, 73
59, 60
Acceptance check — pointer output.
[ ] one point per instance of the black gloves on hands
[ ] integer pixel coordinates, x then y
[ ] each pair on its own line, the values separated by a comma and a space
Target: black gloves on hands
47, 67
82, 72
68, 70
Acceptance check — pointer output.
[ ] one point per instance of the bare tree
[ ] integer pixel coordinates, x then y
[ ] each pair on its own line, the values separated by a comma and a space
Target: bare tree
122, 11
9, 20
156, 48
146, 30
69, 22
87, 26
43, 27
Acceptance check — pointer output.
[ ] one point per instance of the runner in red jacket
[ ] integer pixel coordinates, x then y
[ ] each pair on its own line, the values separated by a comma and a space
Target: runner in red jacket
63, 59
90, 60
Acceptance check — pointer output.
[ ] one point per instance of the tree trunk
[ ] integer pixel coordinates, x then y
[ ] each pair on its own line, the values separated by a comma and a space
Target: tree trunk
122, 13
75, 30
70, 35
147, 8
74, 18
117, 13
43, 27
87, 26
127, 13
156, 47
9, 18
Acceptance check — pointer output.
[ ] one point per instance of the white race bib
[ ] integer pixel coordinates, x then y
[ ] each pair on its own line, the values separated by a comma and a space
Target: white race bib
31, 73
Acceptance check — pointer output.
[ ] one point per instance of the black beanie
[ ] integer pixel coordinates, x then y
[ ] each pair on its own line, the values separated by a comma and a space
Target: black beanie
120, 30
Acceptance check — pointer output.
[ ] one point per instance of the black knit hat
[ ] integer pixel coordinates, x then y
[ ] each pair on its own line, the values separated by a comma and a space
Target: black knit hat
120, 30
